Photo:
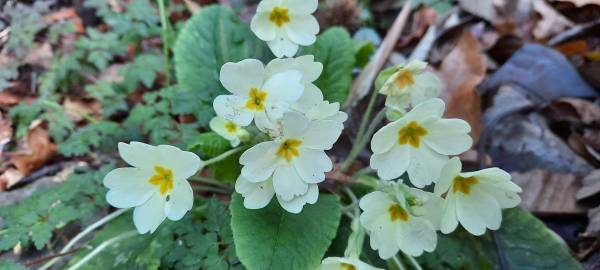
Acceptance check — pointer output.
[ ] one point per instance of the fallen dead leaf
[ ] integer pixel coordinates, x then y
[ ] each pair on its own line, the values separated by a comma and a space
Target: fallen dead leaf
574, 47
423, 18
6, 132
36, 150
9, 178
547, 193
551, 22
111, 74
74, 109
590, 186
66, 14
593, 228
462, 70
40, 55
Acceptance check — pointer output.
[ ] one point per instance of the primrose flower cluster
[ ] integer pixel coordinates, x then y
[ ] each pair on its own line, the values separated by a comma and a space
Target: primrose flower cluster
419, 143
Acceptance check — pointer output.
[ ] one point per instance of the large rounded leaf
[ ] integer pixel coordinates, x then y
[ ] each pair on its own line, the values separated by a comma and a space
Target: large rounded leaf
273, 239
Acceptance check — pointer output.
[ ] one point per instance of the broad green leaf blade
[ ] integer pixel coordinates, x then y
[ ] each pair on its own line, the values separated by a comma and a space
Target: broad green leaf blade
527, 243
271, 238
210, 144
335, 49
212, 37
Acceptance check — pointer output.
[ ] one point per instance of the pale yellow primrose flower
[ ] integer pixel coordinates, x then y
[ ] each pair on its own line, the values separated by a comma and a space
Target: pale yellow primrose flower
395, 223
258, 195
475, 199
285, 24
256, 94
156, 185
419, 143
311, 103
228, 130
339, 263
410, 85
296, 161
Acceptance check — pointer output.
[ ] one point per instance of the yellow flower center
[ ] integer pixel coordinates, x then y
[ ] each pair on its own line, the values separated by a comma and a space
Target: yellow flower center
163, 179
231, 127
256, 99
411, 134
404, 78
279, 16
347, 266
463, 184
289, 149
397, 213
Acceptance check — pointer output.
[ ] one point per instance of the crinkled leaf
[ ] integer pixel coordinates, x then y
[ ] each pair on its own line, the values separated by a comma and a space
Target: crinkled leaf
212, 37
209, 144
335, 49
271, 238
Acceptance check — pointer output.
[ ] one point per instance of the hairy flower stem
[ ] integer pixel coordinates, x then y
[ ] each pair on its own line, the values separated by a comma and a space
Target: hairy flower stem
166, 39
366, 115
83, 233
398, 263
413, 262
222, 156
357, 237
101, 247
362, 141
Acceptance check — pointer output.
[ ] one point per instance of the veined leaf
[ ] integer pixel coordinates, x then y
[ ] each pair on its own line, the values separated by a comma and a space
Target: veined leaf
212, 37
271, 238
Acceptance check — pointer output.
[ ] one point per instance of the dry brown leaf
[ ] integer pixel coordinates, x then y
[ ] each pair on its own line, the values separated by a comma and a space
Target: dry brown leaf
37, 149
9, 178
551, 22
74, 109
547, 193
422, 19
66, 14
6, 132
462, 70
593, 228
111, 74
573, 48
590, 186
40, 55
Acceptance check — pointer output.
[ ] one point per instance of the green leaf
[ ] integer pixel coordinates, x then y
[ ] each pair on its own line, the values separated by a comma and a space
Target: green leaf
212, 37
210, 144
335, 49
527, 244
271, 238
143, 70
363, 51
41, 232
8, 265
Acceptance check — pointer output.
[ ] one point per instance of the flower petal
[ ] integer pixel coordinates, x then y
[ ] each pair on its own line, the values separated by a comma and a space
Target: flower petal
429, 110
232, 108
256, 195
262, 27
217, 124
385, 138
393, 163
306, 64
312, 164
302, 29
259, 161
240, 77
302, 6
183, 163
374, 201
287, 183
425, 166
128, 187
296, 204
427, 86
322, 134
449, 220
285, 86
448, 136
416, 236
139, 155
283, 47
294, 125
180, 200
447, 175
149, 215
478, 210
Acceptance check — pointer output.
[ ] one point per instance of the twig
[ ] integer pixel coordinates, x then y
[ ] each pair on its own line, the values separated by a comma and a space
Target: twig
363, 83
41, 260
83, 233
101, 247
